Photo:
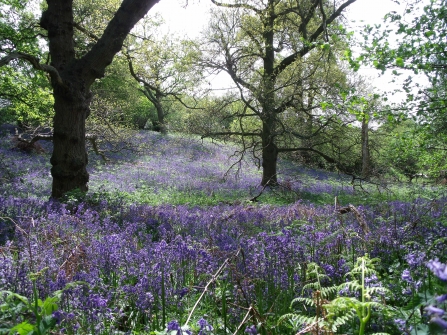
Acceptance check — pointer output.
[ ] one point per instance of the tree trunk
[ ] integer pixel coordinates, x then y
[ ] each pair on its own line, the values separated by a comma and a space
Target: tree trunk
269, 158
69, 159
366, 159
269, 148
160, 113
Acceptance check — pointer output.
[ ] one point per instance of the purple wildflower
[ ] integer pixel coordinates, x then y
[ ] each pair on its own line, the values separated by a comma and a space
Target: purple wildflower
401, 324
434, 310
59, 316
415, 259
184, 291
175, 326
439, 321
251, 330
204, 327
406, 275
441, 298
438, 268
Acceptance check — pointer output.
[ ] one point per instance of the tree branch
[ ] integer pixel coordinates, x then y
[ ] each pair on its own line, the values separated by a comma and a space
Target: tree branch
34, 61
309, 46
239, 5
229, 133
85, 31
93, 64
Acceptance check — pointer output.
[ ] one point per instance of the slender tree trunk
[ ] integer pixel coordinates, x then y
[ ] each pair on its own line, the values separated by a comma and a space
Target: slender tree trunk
269, 148
366, 159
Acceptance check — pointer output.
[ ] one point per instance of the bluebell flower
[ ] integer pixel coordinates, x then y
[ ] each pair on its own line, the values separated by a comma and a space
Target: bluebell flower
406, 275
58, 315
251, 330
407, 291
438, 268
401, 324
434, 310
204, 327
183, 292
175, 326
439, 321
441, 298
415, 259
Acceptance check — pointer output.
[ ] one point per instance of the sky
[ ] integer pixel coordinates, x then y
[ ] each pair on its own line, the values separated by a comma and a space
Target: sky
190, 19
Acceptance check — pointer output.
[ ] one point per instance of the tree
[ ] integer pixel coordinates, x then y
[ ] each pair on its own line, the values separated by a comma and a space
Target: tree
116, 99
26, 93
72, 73
164, 67
419, 50
271, 50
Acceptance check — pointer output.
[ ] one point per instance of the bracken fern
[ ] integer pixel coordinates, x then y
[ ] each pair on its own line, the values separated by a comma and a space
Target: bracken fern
344, 309
313, 319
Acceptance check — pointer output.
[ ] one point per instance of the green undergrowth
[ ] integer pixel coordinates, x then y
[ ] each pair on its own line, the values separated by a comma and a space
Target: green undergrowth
369, 195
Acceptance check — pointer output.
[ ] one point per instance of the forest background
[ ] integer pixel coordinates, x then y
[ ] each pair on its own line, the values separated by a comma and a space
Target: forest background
297, 198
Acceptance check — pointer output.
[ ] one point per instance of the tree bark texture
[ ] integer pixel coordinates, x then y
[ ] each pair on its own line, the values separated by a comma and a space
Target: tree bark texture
269, 158
366, 159
267, 99
72, 95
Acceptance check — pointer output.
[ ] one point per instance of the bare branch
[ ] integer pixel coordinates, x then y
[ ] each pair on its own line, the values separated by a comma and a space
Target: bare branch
239, 5
230, 133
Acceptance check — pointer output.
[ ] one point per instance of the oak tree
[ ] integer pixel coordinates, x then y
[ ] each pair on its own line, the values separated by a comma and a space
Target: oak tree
272, 50
72, 73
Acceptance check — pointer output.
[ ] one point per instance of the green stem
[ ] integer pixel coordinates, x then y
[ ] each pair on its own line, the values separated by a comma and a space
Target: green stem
36, 308
224, 305
366, 311
364, 321
363, 286
163, 296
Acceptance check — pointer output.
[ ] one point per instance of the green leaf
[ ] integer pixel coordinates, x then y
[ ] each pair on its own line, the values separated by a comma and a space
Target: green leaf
12, 295
47, 324
326, 46
400, 62
23, 328
49, 305
429, 33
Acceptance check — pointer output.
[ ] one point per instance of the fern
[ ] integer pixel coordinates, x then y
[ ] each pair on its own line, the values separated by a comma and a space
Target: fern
343, 309
316, 323
305, 301
327, 292
330, 315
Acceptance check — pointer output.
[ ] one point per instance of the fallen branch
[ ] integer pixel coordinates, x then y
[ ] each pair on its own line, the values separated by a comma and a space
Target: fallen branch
212, 280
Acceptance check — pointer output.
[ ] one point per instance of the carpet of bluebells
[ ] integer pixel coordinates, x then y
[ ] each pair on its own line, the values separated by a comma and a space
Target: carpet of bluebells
141, 255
